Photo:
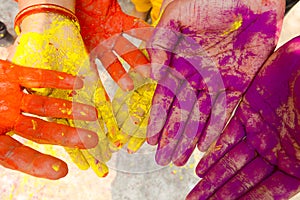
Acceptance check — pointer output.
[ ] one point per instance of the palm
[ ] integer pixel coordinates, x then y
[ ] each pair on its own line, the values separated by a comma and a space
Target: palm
102, 19
102, 24
260, 145
211, 61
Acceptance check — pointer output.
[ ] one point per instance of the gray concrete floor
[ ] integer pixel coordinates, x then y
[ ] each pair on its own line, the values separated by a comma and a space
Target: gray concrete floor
143, 181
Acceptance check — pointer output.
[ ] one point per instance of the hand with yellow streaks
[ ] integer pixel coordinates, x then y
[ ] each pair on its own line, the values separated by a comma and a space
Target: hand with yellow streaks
52, 40
14, 103
132, 113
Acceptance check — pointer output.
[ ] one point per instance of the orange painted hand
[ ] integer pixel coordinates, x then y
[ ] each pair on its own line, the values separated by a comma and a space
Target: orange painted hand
102, 24
14, 102
53, 41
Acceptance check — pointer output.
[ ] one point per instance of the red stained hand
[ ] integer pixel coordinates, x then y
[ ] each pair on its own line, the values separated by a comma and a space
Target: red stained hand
14, 102
102, 24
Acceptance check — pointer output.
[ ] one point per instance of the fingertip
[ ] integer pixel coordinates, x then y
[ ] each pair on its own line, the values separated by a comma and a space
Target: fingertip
78, 83
126, 83
130, 151
84, 112
60, 170
69, 81
88, 139
144, 70
49, 167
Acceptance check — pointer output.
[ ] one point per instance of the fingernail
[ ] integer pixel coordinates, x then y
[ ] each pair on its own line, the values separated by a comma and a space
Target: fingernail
126, 83
88, 139
78, 83
129, 151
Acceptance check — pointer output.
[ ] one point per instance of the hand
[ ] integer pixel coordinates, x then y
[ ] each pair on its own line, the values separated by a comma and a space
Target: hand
256, 157
204, 55
132, 110
54, 42
14, 102
102, 24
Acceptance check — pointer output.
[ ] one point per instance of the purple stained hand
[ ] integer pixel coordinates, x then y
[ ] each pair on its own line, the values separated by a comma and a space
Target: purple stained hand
204, 55
257, 155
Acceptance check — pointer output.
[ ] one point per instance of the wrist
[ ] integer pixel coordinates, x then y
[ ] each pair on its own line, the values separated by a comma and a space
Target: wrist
68, 4
38, 15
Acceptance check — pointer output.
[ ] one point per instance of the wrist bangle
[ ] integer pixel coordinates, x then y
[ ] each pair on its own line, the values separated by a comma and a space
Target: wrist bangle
43, 8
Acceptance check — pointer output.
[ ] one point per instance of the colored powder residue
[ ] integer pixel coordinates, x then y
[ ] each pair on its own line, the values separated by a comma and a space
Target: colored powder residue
235, 25
34, 124
61, 48
55, 167
132, 111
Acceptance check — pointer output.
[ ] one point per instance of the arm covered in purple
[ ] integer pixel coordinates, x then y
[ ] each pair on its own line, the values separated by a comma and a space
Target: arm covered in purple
257, 155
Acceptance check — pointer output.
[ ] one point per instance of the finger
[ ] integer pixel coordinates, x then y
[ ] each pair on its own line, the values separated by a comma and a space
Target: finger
78, 158
98, 167
132, 23
142, 110
102, 151
161, 104
16, 156
175, 124
121, 111
160, 51
59, 108
130, 109
161, 46
221, 112
245, 180
141, 33
107, 118
101, 127
193, 128
136, 141
278, 186
224, 170
114, 67
129, 115
38, 78
133, 56
51, 133
233, 134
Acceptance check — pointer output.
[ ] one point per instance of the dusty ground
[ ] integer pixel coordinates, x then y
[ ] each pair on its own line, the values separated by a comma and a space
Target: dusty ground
121, 184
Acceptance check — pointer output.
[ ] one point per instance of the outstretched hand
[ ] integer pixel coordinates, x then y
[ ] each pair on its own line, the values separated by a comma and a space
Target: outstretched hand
102, 25
14, 102
256, 157
203, 63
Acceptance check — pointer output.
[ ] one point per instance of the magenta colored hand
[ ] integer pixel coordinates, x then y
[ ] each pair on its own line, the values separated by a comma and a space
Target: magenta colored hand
257, 155
204, 56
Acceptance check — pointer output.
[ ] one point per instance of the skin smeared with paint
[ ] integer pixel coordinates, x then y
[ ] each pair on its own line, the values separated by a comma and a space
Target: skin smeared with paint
132, 111
102, 24
257, 155
14, 102
204, 61
59, 46
152, 6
